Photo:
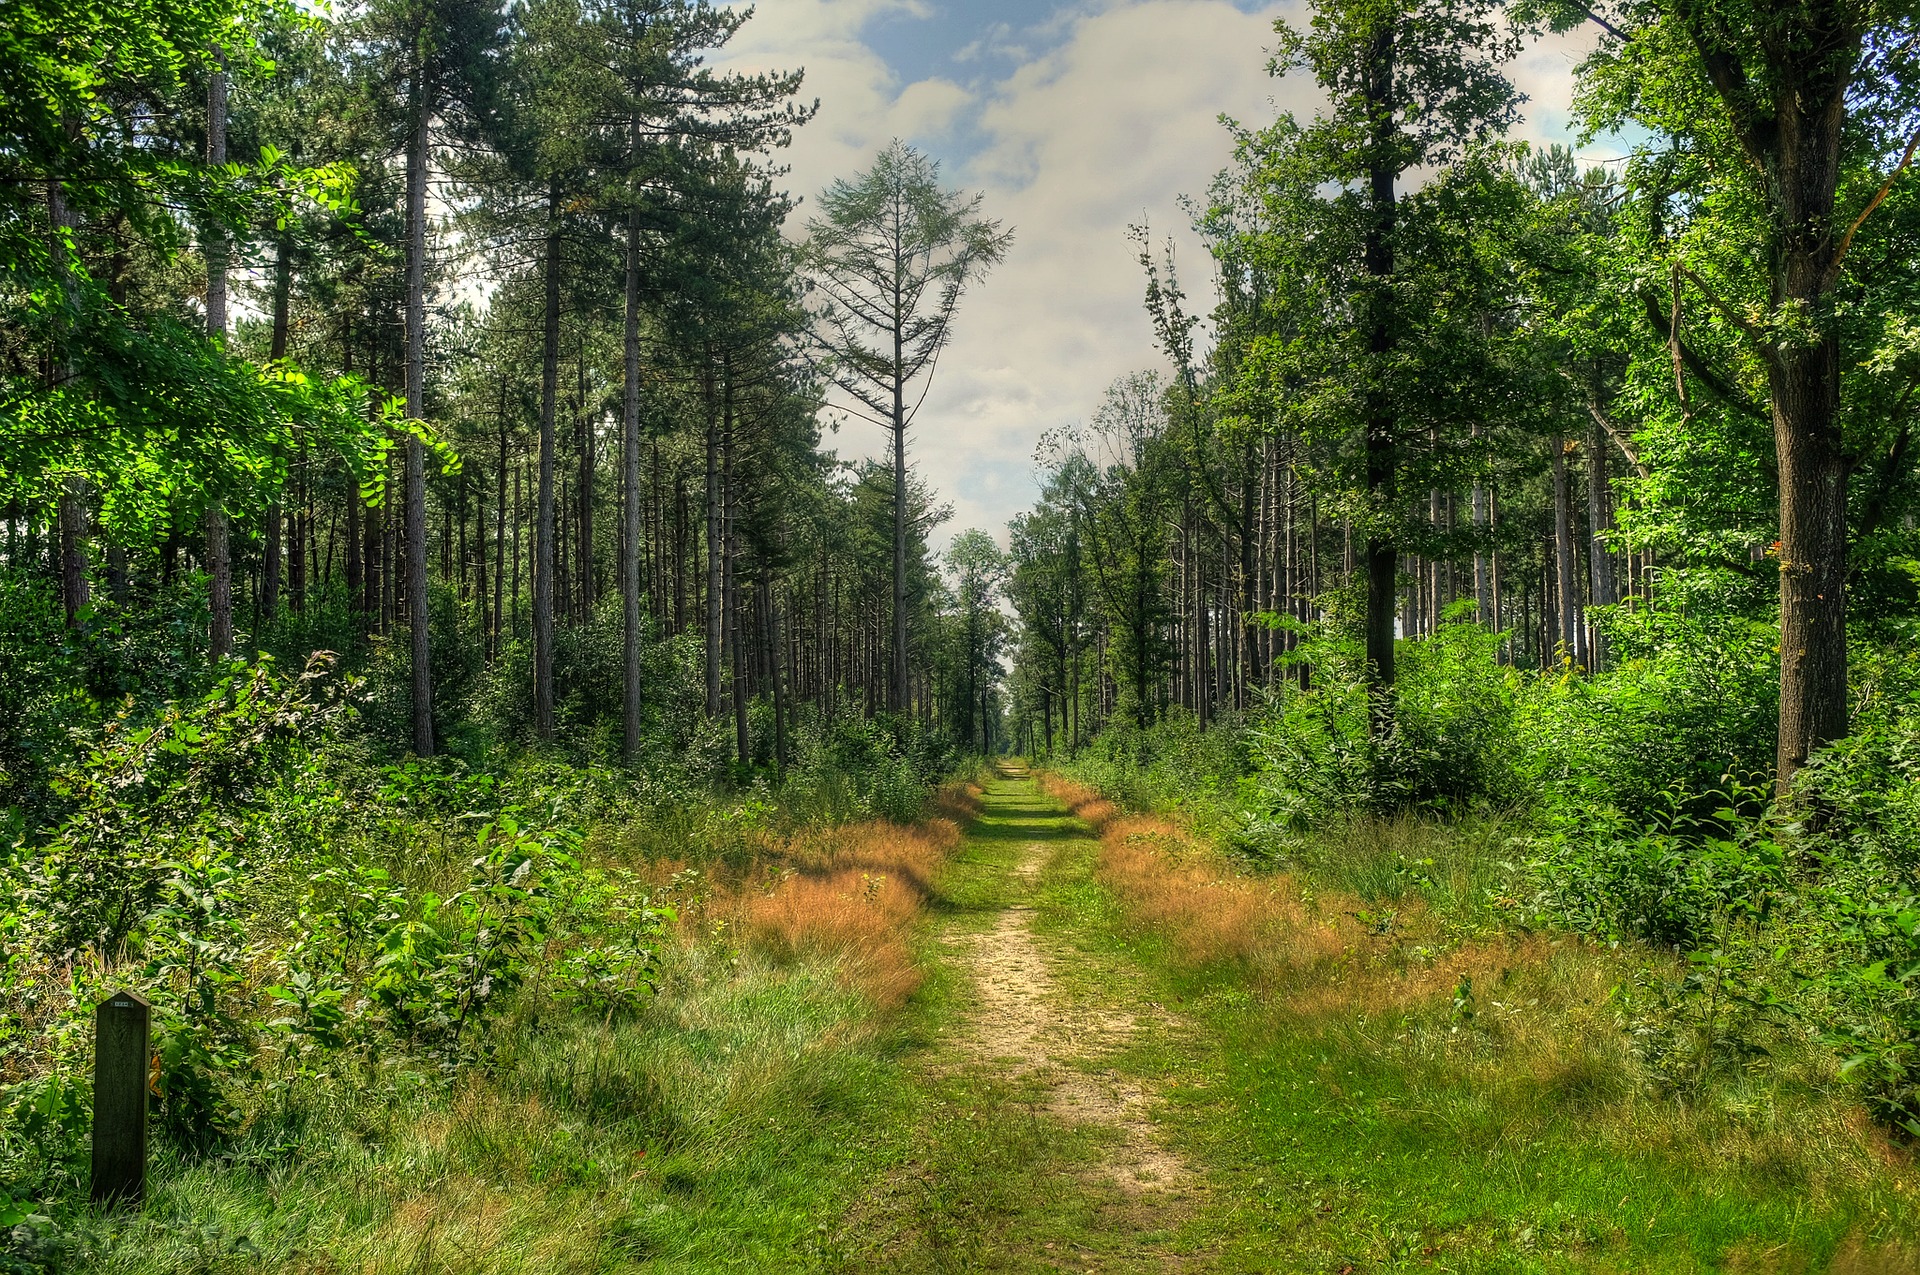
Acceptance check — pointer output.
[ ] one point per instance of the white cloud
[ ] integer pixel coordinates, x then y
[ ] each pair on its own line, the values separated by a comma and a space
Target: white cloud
1109, 128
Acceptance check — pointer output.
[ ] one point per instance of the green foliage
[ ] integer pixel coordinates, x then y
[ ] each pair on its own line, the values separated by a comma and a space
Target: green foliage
1449, 746
1690, 707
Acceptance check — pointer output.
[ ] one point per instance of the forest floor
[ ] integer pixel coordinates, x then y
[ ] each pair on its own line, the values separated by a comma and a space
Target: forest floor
1083, 1103
1079, 1083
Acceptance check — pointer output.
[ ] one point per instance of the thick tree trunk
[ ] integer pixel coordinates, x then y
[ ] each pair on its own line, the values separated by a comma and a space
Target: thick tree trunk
418, 606
75, 591
630, 468
1813, 553
1807, 72
219, 587
1804, 378
543, 547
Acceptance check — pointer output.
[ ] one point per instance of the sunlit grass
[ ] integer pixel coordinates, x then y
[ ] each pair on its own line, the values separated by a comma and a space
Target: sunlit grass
1392, 1078
715, 1128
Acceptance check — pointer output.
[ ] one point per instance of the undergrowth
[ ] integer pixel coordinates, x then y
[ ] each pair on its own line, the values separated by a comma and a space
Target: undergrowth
1386, 1008
401, 1010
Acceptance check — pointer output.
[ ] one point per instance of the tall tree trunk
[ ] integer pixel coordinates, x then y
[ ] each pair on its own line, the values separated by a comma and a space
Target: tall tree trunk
1599, 523
75, 591
1382, 550
219, 565
277, 350
588, 594
1810, 59
499, 534
713, 520
630, 467
1804, 380
418, 607
1565, 567
71, 513
297, 559
519, 521
783, 676
730, 584
898, 682
543, 555
1483, 560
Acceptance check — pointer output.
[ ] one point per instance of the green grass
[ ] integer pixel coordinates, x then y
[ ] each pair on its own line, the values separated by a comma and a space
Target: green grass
1343, 1132
713, 1133
761, 1117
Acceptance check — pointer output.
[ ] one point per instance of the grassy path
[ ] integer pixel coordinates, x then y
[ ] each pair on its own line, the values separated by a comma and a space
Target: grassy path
1041, 1148
1080, 1106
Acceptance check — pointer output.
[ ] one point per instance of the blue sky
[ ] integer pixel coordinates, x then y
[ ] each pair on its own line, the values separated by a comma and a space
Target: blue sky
1074, 120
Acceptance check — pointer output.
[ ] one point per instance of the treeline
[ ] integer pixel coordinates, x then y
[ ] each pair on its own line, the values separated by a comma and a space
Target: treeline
1453, 377
464, 338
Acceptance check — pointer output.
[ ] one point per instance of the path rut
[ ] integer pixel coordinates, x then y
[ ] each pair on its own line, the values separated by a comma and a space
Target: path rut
1027, 1027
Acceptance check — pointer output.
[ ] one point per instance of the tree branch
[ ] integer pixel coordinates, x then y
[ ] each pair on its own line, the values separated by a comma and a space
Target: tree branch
1846, 240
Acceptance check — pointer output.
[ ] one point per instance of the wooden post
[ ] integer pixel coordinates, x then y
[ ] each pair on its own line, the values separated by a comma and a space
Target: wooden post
121, 1051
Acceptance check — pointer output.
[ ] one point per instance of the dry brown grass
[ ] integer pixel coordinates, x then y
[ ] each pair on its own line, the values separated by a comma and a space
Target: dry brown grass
1321, 953
1087, 805
1538, 1034
850, 894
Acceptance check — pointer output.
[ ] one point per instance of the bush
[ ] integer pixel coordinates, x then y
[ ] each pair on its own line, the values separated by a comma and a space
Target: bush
1449, 746
1690, 707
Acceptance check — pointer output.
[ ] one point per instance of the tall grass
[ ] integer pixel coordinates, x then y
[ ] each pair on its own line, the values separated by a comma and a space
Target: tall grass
1388, 960
709, 1126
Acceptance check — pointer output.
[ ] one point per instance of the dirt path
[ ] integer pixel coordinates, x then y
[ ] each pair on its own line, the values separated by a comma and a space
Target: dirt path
1027, 1027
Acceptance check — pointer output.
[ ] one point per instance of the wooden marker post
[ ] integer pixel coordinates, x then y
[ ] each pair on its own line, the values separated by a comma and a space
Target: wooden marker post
121, 1048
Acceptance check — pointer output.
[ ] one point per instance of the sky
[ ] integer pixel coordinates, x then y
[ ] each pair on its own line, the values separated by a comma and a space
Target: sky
1075, 119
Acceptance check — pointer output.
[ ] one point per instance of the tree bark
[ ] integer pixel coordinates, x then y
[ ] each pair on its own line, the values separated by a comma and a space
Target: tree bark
1599, 522
1796, 146
630, 469
277, 350
589, 594
730, 584
1382, 549
1804, 378
75, 591
898, 687
418, 607
499, 536
713, 523
1482, 560
219, 566
1565, 568
543, 555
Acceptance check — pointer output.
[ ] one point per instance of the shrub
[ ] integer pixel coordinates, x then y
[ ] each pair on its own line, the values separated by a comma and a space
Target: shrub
1690, 707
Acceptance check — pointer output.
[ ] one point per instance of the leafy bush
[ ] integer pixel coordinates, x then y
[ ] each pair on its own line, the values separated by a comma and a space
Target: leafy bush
1690, 707
1449, 745
219, 859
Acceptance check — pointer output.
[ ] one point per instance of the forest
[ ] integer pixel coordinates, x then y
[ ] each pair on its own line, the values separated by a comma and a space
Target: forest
1431, 782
